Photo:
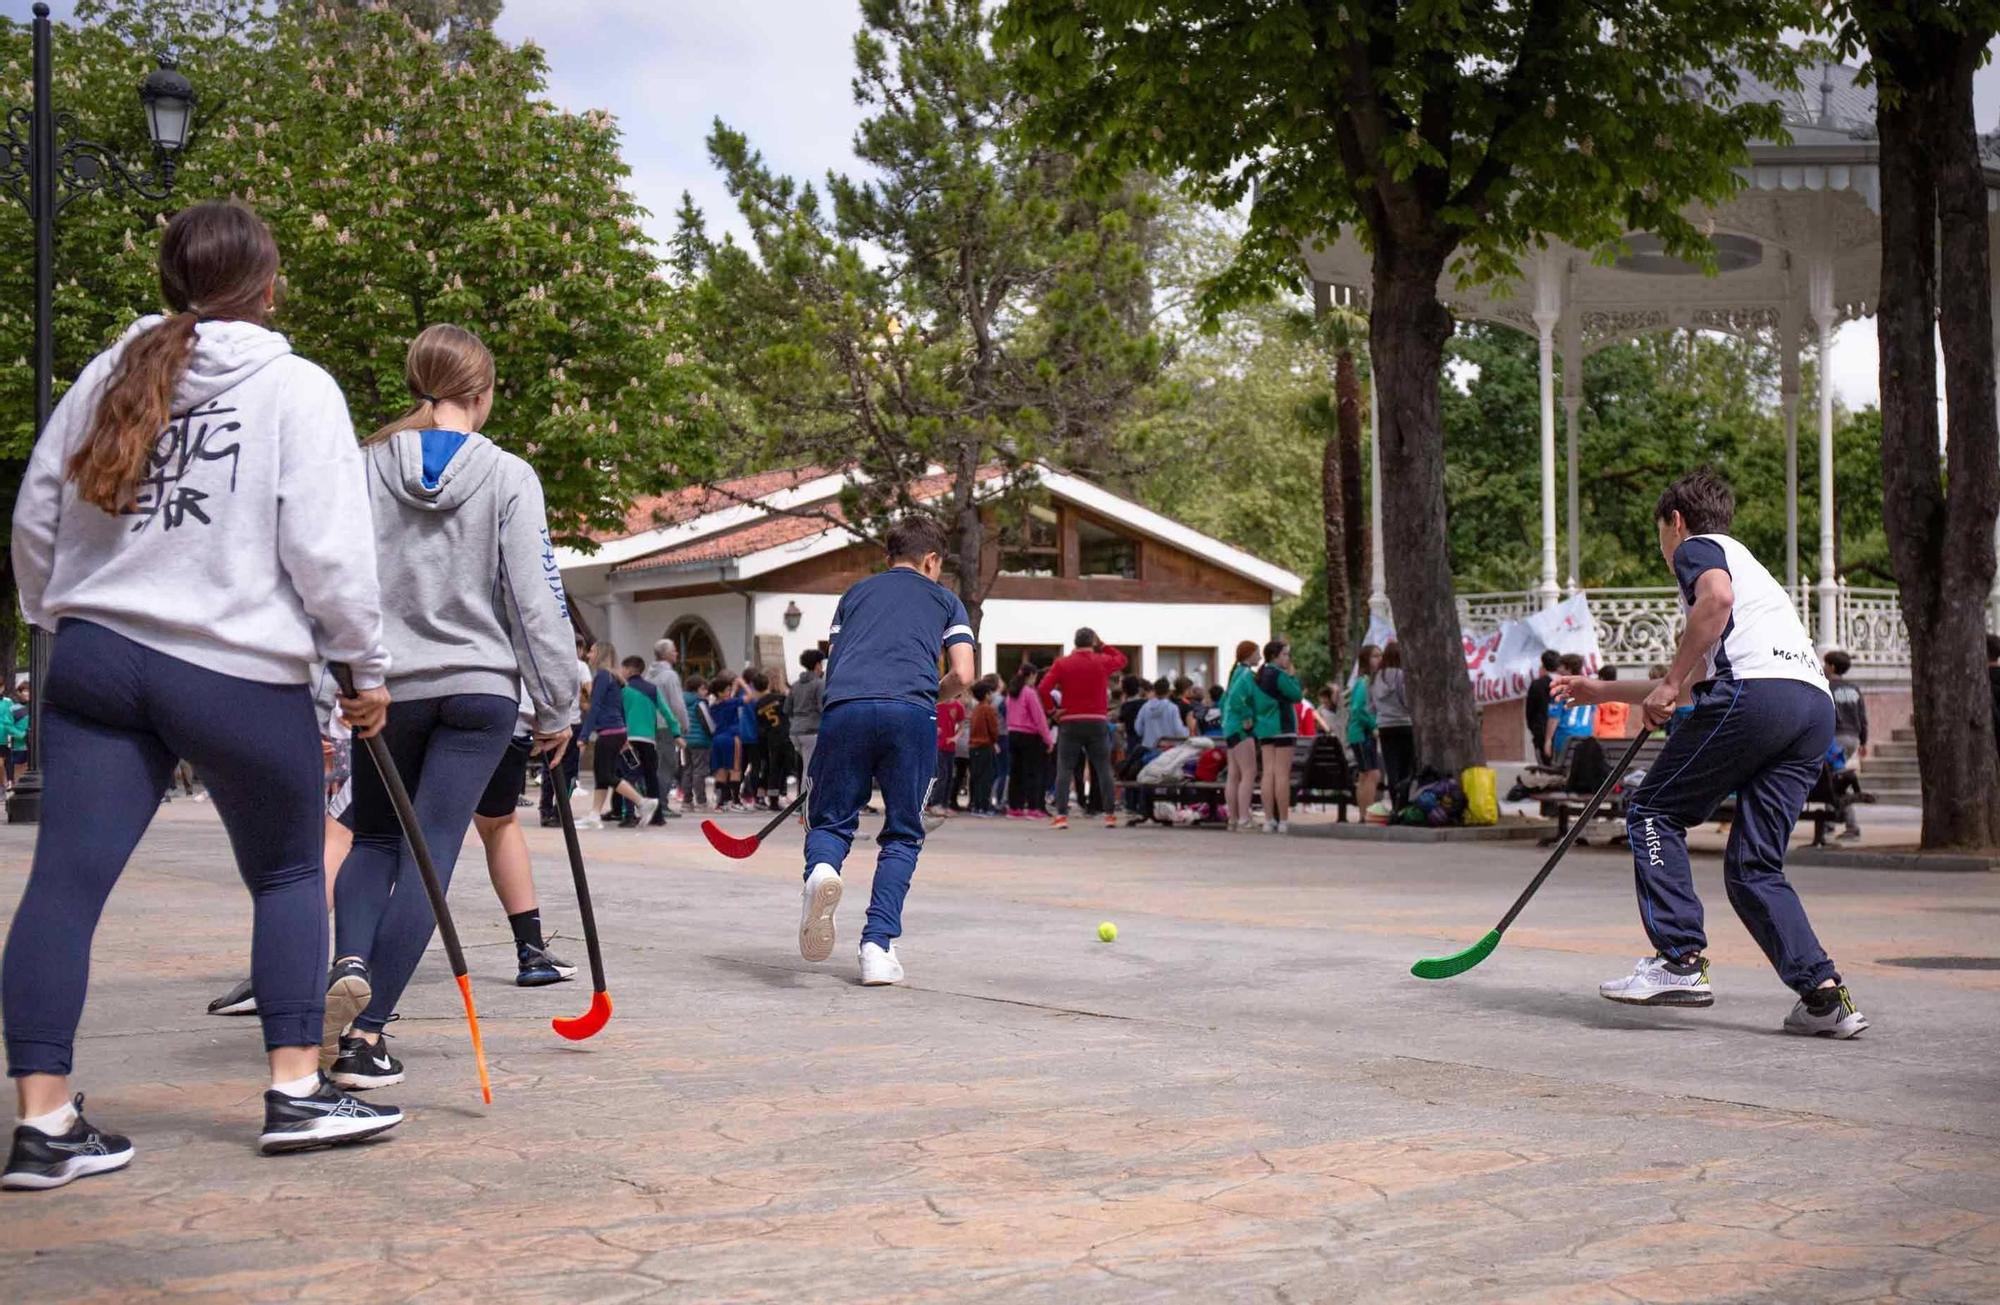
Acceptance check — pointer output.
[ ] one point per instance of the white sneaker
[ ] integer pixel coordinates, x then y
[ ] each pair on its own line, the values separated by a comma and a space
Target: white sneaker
818, 900
1840, 1020
1271, 826
1656, 981
589, 822
879, 968
1284, 826
647, 806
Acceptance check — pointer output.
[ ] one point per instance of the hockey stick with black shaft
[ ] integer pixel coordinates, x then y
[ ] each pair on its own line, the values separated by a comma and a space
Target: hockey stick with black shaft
592, 1021
1444, 967
406, 816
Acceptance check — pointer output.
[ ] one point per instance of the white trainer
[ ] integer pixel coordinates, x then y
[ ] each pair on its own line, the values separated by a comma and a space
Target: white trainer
1656, 981
1838, 1020
818, 900
647, 806
879, 967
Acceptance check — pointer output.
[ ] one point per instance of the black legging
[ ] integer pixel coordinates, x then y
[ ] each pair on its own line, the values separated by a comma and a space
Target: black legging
1399, 761
1027, 789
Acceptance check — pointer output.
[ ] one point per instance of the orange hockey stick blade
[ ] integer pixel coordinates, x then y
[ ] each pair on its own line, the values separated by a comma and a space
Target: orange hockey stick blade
588, 1024
478, 1046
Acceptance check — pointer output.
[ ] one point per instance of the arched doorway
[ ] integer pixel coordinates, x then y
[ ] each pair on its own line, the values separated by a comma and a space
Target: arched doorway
701, 652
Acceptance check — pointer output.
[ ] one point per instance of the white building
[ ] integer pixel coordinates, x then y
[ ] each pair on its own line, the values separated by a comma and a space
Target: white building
736, 581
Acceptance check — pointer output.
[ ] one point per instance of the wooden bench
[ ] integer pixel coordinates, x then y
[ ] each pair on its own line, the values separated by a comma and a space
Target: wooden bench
1825, 806
1319, 775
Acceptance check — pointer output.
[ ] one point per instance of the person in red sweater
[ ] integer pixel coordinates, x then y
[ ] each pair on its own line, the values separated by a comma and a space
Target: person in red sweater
950, 715
1082, 680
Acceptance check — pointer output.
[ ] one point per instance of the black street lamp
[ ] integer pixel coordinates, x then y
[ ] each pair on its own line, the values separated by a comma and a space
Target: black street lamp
46, 168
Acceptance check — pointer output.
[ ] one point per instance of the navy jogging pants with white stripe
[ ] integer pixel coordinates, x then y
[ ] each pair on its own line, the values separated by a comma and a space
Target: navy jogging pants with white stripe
1764, 741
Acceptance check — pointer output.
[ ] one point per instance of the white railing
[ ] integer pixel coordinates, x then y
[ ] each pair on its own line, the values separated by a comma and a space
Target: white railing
1868, 625
1638, 627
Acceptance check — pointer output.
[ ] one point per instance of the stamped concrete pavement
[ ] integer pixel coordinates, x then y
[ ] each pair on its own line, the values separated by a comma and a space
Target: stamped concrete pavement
1245, 1097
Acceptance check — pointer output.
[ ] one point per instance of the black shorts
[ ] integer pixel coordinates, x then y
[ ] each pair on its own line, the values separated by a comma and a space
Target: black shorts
604, 765
509, 782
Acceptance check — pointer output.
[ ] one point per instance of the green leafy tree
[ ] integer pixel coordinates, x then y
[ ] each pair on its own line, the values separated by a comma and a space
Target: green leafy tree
407, 183
965, 308
1940, 510
1452, 138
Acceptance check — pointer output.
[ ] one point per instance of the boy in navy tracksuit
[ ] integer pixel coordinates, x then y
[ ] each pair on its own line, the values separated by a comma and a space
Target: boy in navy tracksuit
878, 728
1760, 728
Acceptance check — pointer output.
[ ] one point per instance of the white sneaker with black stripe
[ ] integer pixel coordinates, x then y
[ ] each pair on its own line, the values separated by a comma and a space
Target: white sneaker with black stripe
1657, 981
1832, 1015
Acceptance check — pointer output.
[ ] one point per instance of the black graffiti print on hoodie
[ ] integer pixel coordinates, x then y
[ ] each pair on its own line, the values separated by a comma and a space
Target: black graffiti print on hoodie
189, 443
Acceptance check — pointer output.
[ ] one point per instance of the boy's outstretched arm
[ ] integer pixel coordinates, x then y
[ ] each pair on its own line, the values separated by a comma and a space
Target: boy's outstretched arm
960, 672
1707, 618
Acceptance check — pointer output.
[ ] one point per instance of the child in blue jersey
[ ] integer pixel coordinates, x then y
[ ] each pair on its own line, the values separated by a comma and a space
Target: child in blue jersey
1760, 728
878, 728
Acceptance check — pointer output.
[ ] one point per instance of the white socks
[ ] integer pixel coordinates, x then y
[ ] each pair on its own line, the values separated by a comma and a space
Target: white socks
55, 1123
299, 1087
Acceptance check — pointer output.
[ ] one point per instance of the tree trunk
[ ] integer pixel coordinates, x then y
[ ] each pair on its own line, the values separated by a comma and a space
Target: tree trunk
1333, 519
1941, 548
1347, 396
1955, 753
1407, 330
969, 532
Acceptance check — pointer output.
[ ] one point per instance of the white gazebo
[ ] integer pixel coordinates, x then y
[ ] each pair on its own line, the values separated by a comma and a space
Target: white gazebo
1798, 253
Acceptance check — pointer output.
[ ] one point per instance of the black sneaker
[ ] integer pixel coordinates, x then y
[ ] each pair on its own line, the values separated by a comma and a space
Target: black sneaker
239, 1000
347, 995
39, 1161
361, 1066
326, 1117
540, 967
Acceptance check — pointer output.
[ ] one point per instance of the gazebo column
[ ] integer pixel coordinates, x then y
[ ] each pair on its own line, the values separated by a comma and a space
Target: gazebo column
1548, 311
1825, 319
1788, 383
1573, 405
1378, 586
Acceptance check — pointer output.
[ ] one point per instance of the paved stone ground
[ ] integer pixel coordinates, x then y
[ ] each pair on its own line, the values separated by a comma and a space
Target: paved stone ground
1246, 1097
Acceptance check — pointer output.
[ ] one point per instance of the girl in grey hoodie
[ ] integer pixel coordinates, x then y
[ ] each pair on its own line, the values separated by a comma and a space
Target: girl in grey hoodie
474, 614
187, 527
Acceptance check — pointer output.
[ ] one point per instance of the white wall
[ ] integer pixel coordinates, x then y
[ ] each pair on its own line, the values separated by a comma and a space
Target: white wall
1136, 629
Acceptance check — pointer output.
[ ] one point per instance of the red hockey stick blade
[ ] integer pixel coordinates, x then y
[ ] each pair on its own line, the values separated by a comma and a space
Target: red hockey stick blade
729, 844
590, 1023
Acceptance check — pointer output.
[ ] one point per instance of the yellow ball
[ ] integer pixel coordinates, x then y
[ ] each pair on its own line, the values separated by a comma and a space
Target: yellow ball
1107, 932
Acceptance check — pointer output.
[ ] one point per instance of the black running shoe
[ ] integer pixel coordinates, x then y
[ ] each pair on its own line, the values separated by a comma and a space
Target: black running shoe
239, 1000
39, 1161
326, 1117
540, 967
361, 1066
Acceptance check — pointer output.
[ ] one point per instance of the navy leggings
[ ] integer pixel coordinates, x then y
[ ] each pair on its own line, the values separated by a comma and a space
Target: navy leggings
115, 715
446, 750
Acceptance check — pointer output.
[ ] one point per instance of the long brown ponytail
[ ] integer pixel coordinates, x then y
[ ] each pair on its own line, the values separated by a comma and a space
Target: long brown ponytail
217, 260
445, 362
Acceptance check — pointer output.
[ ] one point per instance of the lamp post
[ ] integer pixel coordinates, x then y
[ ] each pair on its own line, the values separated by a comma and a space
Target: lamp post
46, 167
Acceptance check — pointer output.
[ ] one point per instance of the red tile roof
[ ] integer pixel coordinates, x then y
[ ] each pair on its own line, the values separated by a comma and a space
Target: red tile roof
775, 530
699, 500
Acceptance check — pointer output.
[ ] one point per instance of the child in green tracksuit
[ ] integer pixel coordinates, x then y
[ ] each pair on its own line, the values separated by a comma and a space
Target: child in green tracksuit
644, 714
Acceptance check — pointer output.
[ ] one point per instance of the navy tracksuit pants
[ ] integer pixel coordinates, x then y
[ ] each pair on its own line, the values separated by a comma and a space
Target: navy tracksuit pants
1764, 741
864, 744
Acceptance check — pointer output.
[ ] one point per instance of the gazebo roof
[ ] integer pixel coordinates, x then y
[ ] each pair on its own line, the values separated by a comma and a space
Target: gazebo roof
1808, 208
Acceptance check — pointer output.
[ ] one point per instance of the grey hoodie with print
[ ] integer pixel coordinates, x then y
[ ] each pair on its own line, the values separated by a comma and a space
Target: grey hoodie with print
472, 599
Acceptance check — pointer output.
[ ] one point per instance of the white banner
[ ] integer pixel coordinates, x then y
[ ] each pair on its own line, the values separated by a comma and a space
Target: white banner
1504, 661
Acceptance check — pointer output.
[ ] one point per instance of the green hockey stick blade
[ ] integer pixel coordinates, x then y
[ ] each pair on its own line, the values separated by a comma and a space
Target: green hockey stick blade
1443, 967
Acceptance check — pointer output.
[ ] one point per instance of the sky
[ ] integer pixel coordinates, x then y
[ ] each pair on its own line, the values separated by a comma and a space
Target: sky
780, 71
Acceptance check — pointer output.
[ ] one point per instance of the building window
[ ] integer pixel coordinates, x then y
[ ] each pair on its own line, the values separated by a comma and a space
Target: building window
1009, 656
1102, 551
701, 653
1198, 664
1035, 548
